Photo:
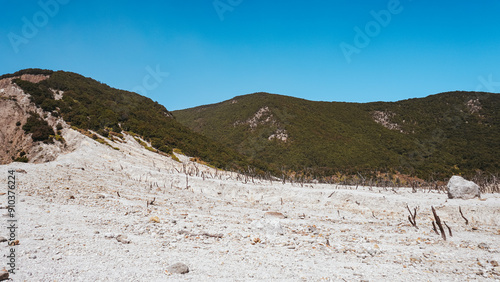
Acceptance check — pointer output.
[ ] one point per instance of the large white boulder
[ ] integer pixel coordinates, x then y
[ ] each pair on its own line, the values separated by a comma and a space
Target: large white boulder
459, 188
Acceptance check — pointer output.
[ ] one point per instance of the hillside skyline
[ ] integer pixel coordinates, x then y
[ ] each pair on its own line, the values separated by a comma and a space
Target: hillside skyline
453, 132
189, 54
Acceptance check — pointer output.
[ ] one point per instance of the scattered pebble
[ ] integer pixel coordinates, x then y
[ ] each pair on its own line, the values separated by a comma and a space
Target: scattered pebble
154, 219
274, 215
123, 239
177, 268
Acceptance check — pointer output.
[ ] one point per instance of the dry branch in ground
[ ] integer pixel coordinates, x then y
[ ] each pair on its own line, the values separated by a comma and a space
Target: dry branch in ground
449, 229
434, 227
412, 216
438, 222
466, 220
150, 203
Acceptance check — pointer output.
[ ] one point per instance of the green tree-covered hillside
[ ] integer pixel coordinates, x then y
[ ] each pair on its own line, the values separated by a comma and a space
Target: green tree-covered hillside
432, 137
89, 104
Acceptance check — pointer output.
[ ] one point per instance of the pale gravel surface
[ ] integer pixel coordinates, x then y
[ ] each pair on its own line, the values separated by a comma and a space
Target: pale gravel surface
370, 238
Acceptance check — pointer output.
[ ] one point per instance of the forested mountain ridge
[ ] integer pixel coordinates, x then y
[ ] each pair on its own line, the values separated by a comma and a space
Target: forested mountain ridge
431, 138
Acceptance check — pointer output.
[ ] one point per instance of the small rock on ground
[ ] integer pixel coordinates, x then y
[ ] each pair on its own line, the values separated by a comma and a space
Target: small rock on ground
123, 239
274, 215
178, 268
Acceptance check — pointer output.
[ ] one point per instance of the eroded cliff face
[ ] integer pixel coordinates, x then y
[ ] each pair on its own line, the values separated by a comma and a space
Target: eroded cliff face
15, 108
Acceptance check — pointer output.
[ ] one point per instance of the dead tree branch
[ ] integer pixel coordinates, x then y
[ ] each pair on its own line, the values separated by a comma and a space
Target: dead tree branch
150, 203
412, 217
449, 229
466, 220
434, 227
438, 222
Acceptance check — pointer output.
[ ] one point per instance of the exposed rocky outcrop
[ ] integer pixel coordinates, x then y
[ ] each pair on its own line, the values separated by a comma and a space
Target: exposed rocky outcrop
474, 106
262, 116
384, 119
280, 134
15, 108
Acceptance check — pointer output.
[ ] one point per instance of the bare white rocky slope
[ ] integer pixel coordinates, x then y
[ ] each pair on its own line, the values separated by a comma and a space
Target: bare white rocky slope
71, 211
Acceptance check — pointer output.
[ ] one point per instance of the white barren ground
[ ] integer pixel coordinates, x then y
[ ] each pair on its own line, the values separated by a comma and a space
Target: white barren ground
69, 208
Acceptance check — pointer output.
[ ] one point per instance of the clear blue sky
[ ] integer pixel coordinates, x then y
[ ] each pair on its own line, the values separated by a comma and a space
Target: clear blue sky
215, 50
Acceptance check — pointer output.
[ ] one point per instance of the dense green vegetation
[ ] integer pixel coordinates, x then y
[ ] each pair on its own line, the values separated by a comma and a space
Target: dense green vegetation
91, 105
39, 128
433, 138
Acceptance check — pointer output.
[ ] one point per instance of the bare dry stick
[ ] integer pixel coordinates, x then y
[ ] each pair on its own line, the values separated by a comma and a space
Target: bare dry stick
148, 203
449, 229
466, 220
434, 228
438, 222
412, 217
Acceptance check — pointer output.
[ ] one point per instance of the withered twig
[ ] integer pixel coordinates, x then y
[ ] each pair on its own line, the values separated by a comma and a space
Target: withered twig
434, 227
150, 202
466, 220
412, 216
438, 222
449, 229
